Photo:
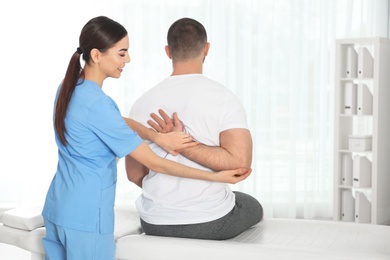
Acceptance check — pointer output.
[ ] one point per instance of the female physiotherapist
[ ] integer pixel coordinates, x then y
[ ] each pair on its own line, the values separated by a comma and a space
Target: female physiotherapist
90, 134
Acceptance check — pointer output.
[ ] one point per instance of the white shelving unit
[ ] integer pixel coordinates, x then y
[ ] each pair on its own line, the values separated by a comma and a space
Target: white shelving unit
362, 131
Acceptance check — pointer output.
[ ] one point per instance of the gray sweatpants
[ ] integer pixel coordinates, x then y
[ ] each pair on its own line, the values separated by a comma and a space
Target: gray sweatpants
247, 212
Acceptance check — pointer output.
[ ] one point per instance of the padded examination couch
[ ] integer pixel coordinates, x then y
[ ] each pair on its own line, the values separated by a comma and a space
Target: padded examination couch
275, 239
23, 227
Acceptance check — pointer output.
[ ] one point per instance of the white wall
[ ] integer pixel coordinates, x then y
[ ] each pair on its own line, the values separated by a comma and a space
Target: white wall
37, 41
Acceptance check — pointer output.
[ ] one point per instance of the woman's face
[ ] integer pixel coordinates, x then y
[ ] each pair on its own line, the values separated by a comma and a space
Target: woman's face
115, 58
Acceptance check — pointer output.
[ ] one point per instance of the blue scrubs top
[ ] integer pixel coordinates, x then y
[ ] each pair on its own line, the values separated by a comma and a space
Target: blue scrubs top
82, 193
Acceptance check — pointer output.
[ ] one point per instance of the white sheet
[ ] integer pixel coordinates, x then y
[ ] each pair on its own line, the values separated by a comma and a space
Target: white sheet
270, 239
274, 239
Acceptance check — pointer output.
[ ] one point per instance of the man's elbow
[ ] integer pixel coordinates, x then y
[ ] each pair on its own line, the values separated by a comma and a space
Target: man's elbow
137, 180
241, 160
131, 177
243, 163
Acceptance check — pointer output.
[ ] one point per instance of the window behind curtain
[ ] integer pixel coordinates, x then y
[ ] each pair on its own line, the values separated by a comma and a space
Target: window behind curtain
276, 55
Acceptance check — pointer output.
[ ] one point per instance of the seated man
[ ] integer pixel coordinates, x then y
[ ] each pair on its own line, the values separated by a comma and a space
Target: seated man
180, 207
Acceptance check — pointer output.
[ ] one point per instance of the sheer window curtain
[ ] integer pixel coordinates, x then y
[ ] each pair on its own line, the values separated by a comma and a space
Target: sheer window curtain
276, 55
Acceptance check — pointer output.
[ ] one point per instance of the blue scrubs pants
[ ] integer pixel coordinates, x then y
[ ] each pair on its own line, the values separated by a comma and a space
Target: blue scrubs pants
68, 244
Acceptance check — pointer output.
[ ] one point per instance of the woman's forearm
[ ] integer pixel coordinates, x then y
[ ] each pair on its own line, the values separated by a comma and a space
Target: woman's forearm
170, 142
144, 132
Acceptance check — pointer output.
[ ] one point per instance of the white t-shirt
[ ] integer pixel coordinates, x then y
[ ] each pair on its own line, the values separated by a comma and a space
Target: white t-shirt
206, 108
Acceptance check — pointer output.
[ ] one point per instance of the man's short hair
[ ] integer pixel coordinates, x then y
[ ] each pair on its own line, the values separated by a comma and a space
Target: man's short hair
186, 39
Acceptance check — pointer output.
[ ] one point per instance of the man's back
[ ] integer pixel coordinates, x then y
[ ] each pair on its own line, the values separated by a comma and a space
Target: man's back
206, 108
181, 207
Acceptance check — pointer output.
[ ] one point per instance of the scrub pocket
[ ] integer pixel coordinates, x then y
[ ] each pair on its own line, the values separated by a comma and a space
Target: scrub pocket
107, 210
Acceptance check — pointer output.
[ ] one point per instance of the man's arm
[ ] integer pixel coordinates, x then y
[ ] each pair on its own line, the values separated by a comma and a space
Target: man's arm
235, 151
135, 171
144, 155
235, 148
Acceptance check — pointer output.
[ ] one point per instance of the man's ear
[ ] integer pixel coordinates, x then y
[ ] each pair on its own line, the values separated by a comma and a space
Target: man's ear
168, 52
206, 49
95, 55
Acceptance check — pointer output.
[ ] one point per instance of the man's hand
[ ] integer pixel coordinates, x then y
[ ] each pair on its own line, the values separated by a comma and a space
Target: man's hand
165, 124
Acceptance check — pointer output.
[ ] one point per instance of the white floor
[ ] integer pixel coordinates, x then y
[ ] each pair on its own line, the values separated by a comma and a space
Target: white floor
8, 252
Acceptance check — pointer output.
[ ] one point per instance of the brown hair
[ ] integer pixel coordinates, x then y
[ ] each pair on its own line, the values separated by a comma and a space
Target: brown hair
186, 39
98, 33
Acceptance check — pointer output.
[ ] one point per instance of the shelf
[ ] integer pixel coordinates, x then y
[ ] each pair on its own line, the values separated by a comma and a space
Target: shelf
355, 115
357, 152
356, 79
361, 189
362, 121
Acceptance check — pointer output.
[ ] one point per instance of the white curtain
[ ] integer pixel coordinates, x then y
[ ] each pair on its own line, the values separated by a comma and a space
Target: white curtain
277, 56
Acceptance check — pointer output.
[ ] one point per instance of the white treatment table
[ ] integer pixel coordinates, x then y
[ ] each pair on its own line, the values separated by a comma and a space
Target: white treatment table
23, 227
275, 239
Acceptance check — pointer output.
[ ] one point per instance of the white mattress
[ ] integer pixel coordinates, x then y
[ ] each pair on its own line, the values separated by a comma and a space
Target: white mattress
270, 239
20, 233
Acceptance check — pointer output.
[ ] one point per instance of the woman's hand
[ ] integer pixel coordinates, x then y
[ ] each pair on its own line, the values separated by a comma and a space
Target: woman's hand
231, 176
174, 141
170, 141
